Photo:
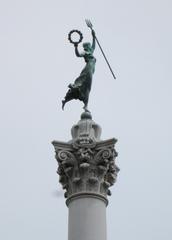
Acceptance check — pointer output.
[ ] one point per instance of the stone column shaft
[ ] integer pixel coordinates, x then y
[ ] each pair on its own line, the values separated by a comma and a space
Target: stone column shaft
87, 219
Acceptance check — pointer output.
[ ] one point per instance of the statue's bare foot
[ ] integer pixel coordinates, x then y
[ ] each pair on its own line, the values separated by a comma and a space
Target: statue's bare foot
86, 109
63, 104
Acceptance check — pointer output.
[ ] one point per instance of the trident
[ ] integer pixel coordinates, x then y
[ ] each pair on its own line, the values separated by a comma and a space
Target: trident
89, 24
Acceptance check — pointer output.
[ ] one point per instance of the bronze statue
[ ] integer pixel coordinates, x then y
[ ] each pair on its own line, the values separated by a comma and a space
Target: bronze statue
82, 85
80, 89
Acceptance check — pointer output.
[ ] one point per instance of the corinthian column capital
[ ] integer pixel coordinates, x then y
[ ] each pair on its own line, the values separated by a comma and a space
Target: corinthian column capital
86, 164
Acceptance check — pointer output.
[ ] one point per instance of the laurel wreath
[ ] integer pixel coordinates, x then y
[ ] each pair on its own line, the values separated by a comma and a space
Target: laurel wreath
70, 36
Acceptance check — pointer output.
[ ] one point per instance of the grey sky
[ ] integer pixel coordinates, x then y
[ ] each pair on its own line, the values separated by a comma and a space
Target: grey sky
37, 63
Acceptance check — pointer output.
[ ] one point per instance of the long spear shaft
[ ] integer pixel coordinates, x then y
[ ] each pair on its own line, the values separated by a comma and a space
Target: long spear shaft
105, 57
89, 24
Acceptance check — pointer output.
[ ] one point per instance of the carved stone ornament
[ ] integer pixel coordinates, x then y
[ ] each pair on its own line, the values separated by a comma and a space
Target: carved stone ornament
86, 164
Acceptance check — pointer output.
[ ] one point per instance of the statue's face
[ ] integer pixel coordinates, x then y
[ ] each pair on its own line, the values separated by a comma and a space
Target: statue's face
87, 46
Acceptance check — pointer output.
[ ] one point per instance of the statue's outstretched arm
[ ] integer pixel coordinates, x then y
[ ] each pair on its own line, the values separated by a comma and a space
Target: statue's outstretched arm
77, 52
94, 39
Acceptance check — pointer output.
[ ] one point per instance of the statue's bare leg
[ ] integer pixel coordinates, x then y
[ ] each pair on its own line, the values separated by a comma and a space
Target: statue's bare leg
85, 108
86, 105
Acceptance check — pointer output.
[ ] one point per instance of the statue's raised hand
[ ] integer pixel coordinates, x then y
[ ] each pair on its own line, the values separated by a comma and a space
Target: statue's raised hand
93, 33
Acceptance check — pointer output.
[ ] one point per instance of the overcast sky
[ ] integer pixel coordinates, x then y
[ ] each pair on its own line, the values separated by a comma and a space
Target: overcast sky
37, 63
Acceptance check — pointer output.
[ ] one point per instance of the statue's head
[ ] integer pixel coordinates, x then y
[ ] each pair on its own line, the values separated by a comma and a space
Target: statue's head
87, 46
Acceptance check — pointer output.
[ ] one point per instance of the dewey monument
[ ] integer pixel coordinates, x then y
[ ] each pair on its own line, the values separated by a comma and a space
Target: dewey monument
86, 163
